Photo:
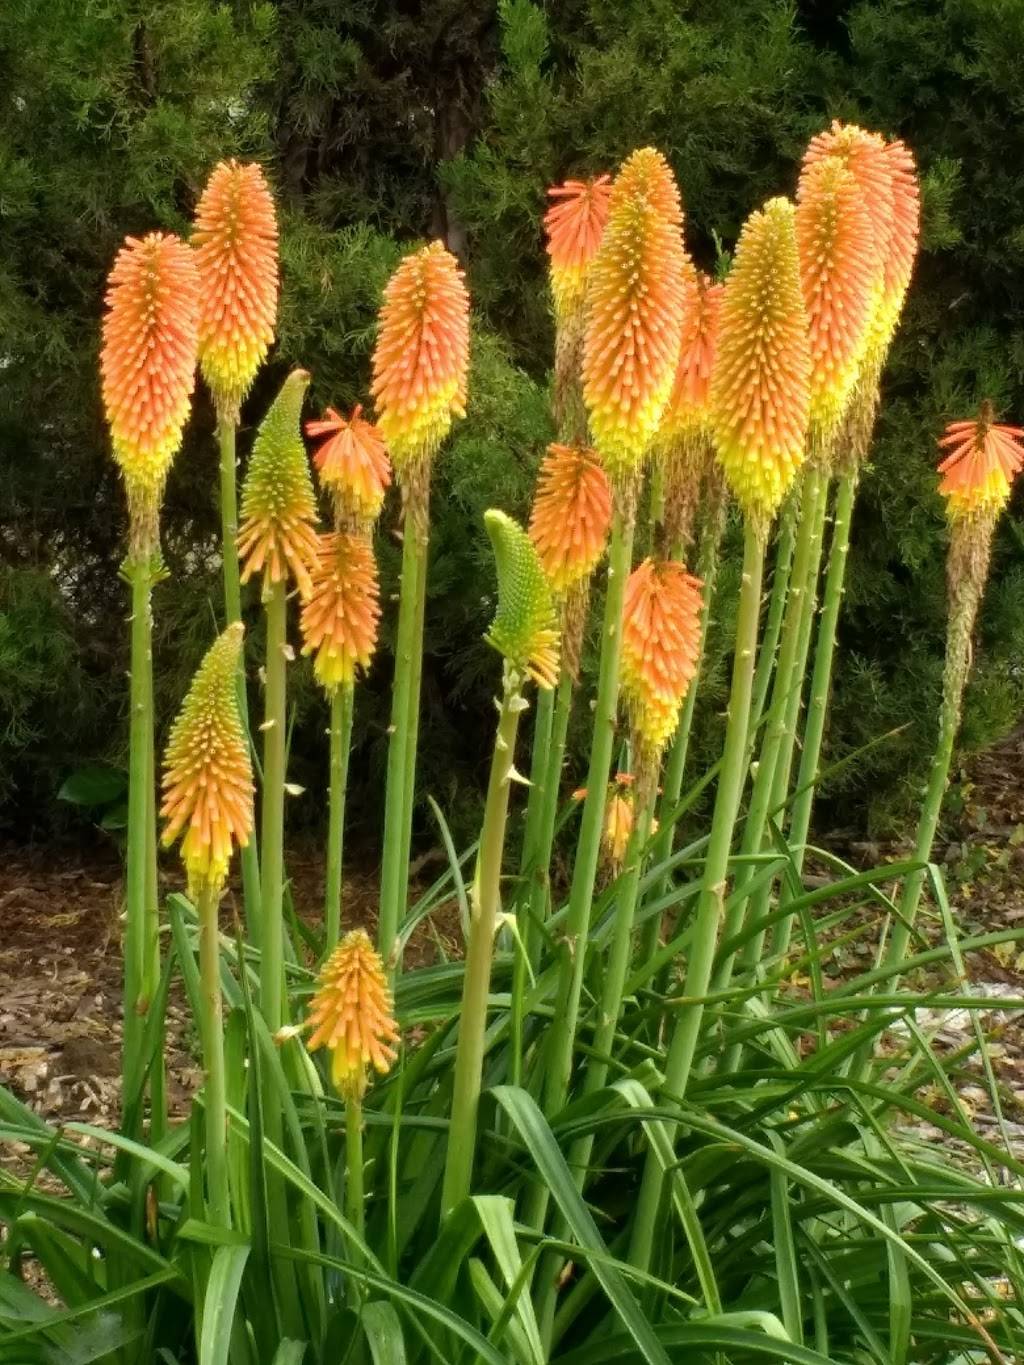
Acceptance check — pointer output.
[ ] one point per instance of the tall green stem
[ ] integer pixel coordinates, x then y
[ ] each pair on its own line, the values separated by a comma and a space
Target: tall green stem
342, 699
821, 679
476, 981
544, 713
785, 542
215, 1091
355, 1195
401, 775
151, 980
140, 807
250, 857
272, 829
541, 885
711, 900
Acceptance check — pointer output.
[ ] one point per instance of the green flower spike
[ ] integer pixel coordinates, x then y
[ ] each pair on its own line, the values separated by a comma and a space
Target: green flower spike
278, 531
525, 628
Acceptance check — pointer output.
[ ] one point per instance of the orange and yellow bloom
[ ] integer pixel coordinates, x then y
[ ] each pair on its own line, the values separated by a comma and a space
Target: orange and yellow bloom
421, 359
636, 296
760, 391
235, 243
660, 648
571, 514
148, 366
340, 618
574, 225
353, 464
277, 536
689, 406
983, 458
207, 785
352, 1015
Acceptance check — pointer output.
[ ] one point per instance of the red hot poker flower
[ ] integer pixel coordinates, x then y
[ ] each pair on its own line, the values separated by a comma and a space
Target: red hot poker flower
983, 459
574, 224
353, 464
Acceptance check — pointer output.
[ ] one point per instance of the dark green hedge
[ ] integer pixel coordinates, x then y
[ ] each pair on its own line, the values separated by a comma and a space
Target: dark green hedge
382, 124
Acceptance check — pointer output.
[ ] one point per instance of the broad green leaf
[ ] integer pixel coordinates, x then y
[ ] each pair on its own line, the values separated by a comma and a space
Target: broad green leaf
383, 1329
219, 1304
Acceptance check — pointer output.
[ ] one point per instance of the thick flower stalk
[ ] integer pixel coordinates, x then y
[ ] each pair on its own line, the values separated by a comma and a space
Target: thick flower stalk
277, 537
208, 797
420, 368
841, 275
685, 444
981, 458
636, 299
660, 647
235, 242
574, 225
524, 632
353, 466
760, 389
148, 362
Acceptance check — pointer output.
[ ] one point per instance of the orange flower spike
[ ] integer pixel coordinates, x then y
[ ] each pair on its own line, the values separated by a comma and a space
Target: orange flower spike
277, 536
619, 818
353, 464
984, 457
148, 361
421, 360
339, 621
760, 393
352, 1014
688, 410
236, 251
660, 647
572, 511
898, 266
865, 156
207, 785
636, 297
839, 276
574, 224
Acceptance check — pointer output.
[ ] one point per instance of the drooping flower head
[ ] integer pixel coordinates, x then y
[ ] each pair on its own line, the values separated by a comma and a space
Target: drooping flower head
524, 629
421, 359
571, 514
840, 276
207, 784
351, 1013
660, 647
574, 225
339, 620
277, 535
353, 464
148, 364
636, 296
759, 389
236, 251
983, 459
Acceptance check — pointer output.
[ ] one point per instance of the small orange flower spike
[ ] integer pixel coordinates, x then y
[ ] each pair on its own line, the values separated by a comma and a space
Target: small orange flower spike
207, 785
422, 356
352, 1014
760, 386
353, 464
574, 224
236, 251
689, 405
636, 295
983, 459
660, 646
148, 364
619, 818
572, 511
339, 621
839, 275
277, 535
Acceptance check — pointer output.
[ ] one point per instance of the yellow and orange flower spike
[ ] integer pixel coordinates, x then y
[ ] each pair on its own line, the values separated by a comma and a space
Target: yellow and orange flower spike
352, 1014
339, 621
689, 406
207, 784
236, 251
277, 535
571, 514
574, 225
760, 395
619, 819
353, 465
421, 360
840, 278
983, 459
524, 629
864, 155
148, 363
898, 266
660, 647
636, 296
